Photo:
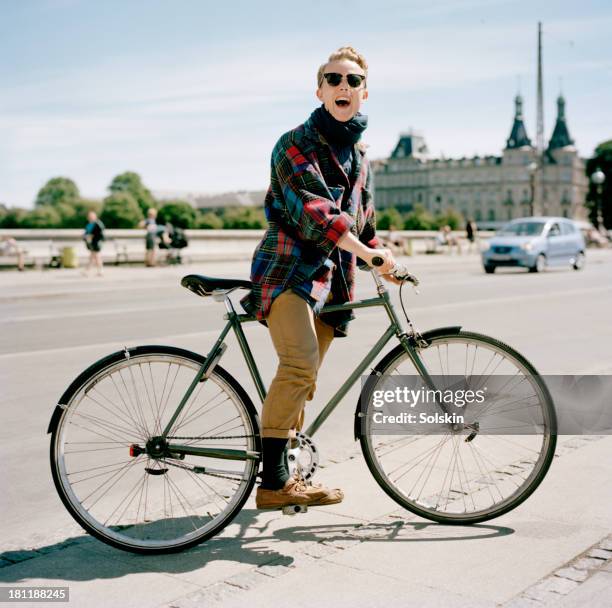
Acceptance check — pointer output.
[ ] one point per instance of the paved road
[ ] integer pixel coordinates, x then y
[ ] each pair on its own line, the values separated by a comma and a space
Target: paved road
54, 324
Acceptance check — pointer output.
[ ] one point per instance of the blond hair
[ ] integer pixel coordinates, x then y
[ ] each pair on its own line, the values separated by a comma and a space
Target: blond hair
344, 52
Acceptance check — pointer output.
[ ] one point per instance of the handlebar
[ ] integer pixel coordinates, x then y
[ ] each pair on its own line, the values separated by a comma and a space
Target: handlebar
400, 272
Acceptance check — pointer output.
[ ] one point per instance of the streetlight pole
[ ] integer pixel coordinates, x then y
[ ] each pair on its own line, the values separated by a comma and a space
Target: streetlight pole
598, 178
532, 167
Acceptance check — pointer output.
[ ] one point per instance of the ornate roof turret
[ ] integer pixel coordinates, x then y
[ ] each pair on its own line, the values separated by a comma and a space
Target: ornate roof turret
560, 137
518, 136
410, 145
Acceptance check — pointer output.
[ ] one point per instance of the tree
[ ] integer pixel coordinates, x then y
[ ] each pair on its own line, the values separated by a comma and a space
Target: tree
451, 218
602, 159
13, 218
75, 215
209, 220
58, 190
244, 218
419, 219
120, 210
131, 183
44, 216
389, 217
178, 213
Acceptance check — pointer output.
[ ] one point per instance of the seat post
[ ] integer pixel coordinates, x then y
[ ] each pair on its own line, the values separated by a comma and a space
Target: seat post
229, 305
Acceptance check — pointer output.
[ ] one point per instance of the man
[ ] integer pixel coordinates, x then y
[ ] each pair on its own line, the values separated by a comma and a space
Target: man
93, 237
152, 230
9, 246
321, 217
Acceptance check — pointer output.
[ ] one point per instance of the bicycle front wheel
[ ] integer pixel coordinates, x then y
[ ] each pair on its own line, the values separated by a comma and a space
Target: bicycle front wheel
448, 476
119, 478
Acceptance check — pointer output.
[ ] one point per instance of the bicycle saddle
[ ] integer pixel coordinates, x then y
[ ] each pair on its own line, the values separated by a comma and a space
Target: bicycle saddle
204, 286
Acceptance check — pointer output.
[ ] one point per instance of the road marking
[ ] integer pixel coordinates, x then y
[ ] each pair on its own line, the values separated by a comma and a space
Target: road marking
101, 312
507, 299
115, 344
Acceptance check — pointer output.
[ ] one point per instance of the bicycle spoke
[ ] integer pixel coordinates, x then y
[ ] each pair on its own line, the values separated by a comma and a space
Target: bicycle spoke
133, 491
165, 400
131, 412
116, 413
202, 411
185, 411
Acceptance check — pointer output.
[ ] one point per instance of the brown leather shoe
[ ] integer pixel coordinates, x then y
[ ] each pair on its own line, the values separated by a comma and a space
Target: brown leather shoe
333, 497
294, 492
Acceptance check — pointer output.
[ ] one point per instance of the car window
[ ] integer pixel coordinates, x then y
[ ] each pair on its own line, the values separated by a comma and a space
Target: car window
554, 230
522, 229
567, 228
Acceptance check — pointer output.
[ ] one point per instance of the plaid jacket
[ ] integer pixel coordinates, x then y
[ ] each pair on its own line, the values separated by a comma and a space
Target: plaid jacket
310, 204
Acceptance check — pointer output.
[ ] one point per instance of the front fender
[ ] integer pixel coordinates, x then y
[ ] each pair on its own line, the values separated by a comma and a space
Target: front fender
55, 418
428, 336
440, 331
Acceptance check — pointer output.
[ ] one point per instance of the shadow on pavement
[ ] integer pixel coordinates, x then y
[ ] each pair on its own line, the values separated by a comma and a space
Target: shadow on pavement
85, 558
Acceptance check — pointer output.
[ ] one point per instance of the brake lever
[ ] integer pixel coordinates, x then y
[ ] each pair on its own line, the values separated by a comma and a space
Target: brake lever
400, 272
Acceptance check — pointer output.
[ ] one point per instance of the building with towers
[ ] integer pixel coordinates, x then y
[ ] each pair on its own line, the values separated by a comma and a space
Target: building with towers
525, 179
488, 188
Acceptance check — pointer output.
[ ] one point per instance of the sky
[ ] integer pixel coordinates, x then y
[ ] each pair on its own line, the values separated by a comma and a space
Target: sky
193, 95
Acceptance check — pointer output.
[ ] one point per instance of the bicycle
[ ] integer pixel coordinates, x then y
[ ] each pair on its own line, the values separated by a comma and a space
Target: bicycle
155, 449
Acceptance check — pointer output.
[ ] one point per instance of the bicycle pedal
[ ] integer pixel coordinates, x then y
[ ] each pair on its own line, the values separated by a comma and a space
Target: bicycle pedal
295, 509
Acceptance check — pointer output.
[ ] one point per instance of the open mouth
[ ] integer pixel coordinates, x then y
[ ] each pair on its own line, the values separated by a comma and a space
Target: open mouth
342, 102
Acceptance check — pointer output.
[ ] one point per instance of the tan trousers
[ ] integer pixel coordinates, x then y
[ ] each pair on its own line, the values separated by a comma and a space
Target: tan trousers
301, 341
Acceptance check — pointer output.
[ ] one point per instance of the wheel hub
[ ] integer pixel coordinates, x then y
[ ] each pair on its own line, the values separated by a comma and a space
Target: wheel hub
157, 447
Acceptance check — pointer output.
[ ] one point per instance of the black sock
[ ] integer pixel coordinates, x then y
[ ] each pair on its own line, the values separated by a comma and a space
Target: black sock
275, 473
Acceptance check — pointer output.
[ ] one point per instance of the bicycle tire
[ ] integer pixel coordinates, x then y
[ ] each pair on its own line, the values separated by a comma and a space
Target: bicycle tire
131, 362
423, 507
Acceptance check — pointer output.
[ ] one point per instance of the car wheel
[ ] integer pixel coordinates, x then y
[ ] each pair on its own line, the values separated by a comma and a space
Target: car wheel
540, 264
489, 269
579, 261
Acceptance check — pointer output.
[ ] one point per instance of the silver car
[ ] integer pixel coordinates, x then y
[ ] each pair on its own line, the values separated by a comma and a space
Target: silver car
535, 243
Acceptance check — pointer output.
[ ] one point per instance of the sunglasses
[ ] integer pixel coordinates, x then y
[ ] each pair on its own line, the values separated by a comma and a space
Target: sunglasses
354, 80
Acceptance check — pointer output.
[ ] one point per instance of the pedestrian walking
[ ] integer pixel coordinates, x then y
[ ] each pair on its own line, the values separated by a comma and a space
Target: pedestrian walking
320, 216
9, 246
93, 237
471, 231
152, 230
446, 238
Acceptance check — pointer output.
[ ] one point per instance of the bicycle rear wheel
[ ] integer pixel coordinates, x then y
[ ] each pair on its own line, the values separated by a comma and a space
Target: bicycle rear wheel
121, 482
444, 476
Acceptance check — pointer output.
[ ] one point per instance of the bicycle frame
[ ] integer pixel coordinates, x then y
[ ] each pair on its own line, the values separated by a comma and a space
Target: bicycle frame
235, 321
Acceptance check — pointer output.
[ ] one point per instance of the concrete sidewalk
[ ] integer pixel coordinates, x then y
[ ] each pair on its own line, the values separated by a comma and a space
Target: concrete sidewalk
363, 552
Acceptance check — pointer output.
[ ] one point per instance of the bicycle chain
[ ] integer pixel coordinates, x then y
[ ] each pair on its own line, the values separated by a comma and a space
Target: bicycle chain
193, 470
215, 437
